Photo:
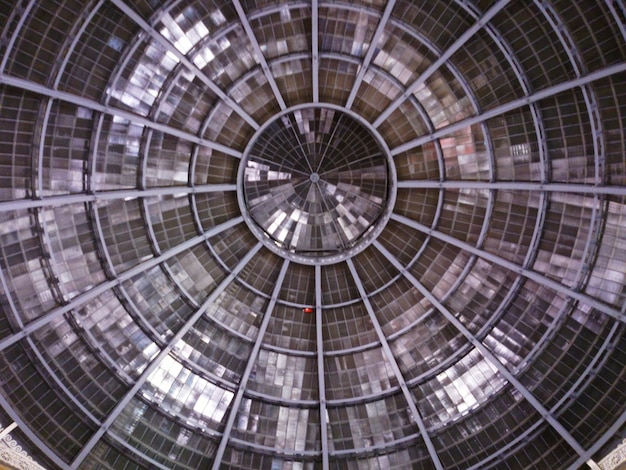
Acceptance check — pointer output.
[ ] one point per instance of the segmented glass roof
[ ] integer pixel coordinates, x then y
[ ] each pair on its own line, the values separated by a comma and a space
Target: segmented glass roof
313, 235
314, 182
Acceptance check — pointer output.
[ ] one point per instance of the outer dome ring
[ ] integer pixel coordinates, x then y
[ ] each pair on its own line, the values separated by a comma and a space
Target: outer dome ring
367, 238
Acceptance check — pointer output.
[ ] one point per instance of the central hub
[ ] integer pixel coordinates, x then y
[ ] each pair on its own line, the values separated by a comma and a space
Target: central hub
314, 182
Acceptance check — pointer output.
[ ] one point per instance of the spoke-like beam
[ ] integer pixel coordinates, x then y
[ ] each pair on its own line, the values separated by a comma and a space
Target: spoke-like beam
532, 275
95, 291
592, 370
35, 350
394, 366
156, 362
158, 37
485, 352
259, 53
319, 336
265, 67
512, 105
234, 407
41, 445
45, 449
113, 111
380, 29
460, 42
574, 188
315, 49
83, 198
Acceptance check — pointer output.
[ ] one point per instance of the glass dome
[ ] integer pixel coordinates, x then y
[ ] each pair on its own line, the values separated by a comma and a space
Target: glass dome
313, 235
315, 186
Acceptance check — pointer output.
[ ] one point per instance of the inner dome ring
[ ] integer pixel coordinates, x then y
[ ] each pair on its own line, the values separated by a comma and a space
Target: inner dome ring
316, 190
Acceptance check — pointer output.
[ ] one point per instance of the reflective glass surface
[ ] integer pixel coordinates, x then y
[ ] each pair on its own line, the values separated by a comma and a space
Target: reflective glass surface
313, 235
315, 181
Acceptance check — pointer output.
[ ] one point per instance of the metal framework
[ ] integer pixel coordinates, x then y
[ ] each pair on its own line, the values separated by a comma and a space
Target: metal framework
156, 36
234, 406
535, 276
589, 372
95, 291
485, 352
156, 362
415, 414
315, 50
117, 194
574, 188
17, 420
23, 14
441, 60
364, 66
41, 445
112, 111
597, 189
259, 53
321, 376
602, 440
512, 105
379, 225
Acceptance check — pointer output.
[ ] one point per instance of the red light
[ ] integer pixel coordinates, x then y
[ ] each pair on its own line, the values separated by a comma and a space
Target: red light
307, 309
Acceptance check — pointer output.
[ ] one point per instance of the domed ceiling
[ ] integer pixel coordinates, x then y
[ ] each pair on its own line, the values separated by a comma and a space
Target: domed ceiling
313, 235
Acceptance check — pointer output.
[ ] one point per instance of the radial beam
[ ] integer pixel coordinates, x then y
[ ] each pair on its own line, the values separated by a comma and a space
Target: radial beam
113, 111
95, 291
83, 198
234, 408
485, 352
394, 365
511, 106
315, 49
529, 274
319, 337
380, 29
8, 406
592, 369
41, 445
259, 53
156, 362
456, 45
575, 188
158, 37
39, 356
265, 67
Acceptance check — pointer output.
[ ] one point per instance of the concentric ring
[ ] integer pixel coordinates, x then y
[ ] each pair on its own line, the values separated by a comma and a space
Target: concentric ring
313, 235
316, 184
